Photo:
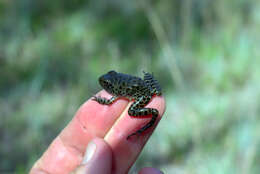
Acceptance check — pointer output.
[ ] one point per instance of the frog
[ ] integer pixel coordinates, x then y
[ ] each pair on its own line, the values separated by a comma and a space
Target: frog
141, 91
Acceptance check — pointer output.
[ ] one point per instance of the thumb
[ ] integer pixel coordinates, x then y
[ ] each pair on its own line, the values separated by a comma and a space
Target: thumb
97, 158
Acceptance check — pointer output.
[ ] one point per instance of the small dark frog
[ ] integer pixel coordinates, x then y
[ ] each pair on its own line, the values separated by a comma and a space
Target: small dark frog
133, 88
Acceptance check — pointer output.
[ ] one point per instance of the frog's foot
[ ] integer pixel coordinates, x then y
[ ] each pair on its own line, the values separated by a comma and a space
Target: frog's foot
152, 83
104, 101
99, 99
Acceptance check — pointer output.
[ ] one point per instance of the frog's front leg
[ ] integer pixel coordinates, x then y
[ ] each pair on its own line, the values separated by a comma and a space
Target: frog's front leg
137, 110
104, 101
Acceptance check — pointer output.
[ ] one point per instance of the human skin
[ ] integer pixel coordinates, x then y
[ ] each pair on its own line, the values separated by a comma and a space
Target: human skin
111, 123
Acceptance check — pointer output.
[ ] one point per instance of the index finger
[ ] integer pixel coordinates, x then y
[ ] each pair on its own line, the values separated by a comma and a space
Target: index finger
91, 120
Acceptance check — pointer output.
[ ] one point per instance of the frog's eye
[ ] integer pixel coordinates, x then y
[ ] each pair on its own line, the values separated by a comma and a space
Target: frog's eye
112, 72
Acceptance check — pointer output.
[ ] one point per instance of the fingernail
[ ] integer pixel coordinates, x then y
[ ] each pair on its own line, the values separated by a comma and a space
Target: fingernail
89, 152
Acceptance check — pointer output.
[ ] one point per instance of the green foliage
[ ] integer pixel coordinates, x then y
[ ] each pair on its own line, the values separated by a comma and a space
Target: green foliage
204, 53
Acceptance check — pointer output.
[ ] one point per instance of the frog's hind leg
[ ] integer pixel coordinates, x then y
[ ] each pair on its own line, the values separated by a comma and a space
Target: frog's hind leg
152, 83
137, 110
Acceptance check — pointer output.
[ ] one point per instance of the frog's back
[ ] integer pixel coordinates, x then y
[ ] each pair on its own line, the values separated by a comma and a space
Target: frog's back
130, 86
124, 85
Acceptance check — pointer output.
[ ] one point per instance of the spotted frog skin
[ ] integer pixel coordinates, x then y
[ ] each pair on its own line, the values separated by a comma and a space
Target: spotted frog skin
133, 88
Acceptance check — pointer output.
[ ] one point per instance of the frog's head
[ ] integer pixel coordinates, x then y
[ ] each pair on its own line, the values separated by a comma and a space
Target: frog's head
107, 81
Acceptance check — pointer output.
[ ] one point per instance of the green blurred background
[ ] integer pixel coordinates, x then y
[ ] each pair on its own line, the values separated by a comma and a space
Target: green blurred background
205, 53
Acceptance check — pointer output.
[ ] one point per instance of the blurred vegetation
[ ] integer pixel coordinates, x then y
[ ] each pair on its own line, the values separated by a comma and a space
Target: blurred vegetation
205, 54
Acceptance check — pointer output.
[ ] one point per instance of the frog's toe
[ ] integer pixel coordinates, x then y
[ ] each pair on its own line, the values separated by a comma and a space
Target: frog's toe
95, 98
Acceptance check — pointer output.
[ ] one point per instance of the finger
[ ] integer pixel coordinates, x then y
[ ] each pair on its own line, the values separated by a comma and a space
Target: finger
97, 159
149, 170
126, 151
91, 120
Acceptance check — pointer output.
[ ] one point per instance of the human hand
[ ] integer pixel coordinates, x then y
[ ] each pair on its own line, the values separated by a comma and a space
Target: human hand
111, 124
